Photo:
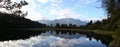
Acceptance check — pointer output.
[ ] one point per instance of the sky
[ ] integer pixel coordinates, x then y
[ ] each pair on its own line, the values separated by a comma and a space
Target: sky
84, 10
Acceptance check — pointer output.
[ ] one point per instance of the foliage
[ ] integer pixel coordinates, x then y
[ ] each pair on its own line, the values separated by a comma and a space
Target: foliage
112, 23
15, 17
65, 25
13, 7
112, 8
57, 25
118, 23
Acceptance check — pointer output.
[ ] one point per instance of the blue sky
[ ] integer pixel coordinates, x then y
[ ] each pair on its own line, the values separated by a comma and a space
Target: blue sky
84, 10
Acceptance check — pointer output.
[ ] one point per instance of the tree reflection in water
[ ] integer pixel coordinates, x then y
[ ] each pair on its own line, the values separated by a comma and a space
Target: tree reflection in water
91, 37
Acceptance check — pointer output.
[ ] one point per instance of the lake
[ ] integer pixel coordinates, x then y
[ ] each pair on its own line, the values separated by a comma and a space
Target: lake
52, 38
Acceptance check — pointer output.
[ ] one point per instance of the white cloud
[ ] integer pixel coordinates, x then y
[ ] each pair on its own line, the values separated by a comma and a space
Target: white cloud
56, 1
83, 3
32, 13
50, 41
36, 16
65, 13
88, 1
42, 1
56, 4
58, 11
2, 9
55, 8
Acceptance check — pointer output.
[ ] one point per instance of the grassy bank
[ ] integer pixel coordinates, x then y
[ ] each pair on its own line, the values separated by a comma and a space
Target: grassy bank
70, 29
103, 32
67, 29
115, 36
116, 40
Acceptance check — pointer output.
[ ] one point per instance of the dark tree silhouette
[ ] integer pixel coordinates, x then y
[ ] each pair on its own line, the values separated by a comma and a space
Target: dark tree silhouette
90, 23
112, 8
14, 17
57, 25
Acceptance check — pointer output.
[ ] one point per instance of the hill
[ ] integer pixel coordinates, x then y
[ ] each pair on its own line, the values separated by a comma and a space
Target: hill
67, 21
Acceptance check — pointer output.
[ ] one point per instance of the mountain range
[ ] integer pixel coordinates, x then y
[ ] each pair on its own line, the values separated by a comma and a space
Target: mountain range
67, 21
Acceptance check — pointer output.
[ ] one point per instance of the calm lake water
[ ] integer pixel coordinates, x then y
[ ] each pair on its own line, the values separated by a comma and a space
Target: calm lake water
55, 39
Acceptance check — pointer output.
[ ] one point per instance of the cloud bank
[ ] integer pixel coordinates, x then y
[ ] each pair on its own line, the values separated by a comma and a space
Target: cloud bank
57, 9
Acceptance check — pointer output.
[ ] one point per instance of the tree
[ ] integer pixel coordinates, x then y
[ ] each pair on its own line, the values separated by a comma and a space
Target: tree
90, 23
62, 25
51, 25
74, 26
70, 25
13, 7
98, 24
57, 25
118, 23
65, 26
112, 8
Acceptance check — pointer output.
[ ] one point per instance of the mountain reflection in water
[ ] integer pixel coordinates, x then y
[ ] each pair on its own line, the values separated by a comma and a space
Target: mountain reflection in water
54, 39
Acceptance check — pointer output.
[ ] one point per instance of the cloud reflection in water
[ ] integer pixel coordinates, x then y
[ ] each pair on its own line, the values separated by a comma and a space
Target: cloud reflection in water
49, 39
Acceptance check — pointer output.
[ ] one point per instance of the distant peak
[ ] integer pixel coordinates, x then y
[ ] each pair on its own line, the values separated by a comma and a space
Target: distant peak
66, 19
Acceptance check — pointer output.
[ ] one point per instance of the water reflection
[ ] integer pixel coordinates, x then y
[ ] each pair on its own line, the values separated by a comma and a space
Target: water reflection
66, 35
55, 39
